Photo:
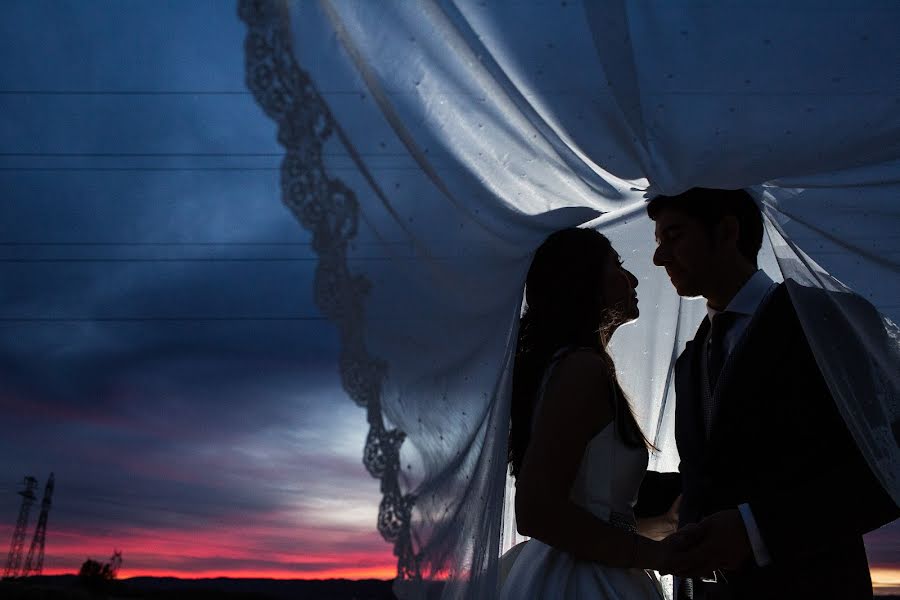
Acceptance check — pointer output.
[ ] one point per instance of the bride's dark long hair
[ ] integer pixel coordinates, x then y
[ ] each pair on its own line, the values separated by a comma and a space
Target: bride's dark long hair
564, 308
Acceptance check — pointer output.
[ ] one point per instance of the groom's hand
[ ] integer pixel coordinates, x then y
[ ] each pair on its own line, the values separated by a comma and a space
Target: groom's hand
679, 549
718, 542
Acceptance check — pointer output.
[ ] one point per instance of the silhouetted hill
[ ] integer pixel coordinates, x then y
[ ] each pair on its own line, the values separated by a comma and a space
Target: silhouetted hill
68, 587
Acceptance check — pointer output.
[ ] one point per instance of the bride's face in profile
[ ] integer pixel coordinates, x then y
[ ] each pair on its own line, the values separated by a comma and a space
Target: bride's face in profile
619, 291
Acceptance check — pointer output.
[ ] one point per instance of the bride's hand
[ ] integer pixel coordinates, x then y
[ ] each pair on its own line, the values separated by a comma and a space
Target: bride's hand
718, 542
660, 527
670, 518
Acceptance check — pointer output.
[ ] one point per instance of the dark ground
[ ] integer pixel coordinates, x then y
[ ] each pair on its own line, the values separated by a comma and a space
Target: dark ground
68, 587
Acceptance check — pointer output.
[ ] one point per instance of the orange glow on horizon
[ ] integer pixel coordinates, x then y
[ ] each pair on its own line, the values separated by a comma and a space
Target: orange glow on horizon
258, 553
885, 578
372, 572
214, 553
376, 572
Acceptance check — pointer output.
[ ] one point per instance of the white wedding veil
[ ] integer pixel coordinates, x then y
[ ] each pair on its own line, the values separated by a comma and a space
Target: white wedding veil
430, 147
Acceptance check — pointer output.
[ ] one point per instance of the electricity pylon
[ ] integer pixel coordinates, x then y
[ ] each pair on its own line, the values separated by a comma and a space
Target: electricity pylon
32, 566
14, 559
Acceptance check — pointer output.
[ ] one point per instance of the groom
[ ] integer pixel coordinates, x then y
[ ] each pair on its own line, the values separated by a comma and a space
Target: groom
776, 495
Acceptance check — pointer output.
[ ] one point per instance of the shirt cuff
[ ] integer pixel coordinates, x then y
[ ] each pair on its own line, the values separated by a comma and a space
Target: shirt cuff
760, 552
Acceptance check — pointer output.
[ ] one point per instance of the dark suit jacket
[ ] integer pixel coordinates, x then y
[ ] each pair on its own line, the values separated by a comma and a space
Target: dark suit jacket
779, 444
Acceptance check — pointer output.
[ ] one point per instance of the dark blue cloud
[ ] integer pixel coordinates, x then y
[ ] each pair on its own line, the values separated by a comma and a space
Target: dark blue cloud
160, 350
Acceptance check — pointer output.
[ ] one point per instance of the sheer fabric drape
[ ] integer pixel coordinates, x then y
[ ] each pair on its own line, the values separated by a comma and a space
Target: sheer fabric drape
848, 321
432, 145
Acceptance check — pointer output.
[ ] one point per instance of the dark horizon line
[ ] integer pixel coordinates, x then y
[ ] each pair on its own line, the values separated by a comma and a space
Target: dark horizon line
222, 578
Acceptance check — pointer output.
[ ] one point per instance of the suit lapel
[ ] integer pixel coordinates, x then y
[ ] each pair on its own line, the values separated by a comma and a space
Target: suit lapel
746, 364
689, 412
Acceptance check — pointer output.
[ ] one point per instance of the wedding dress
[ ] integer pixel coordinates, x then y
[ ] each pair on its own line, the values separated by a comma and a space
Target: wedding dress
606, 485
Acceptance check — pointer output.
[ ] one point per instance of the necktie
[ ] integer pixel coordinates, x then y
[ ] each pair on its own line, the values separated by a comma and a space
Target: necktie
717, 352
716, 355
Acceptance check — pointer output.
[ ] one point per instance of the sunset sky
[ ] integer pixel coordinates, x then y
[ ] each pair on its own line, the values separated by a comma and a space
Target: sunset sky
160, 350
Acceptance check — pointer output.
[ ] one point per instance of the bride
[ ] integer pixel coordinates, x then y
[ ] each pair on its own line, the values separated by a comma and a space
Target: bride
576, 451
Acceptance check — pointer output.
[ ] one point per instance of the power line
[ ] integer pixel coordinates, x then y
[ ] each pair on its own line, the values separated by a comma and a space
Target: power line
473, 95
184, 244
177, 154
171, 260
156, 244
197, 319
110, 92
139, 169
137, 154
242, 259
202, 319
182, 169
48, 92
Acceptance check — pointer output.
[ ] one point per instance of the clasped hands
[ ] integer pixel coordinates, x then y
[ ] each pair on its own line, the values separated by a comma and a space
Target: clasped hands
717, 542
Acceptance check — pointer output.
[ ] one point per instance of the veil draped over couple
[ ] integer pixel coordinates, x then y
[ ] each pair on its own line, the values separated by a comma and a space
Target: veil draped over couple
429, 148
773, 496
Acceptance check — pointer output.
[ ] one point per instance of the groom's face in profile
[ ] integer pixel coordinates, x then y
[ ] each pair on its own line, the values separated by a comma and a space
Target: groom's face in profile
687, 251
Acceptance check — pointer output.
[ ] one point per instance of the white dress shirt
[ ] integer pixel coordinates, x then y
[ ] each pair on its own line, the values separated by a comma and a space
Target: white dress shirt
744, 304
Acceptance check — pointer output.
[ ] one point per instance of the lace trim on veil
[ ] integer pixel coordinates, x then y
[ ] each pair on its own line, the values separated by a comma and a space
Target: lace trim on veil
327, 208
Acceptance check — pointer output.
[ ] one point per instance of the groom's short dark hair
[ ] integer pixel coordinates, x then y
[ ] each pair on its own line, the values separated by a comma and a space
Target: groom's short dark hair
710, 206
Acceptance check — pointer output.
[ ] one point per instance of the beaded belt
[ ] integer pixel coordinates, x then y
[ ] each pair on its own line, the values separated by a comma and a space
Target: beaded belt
622, 521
